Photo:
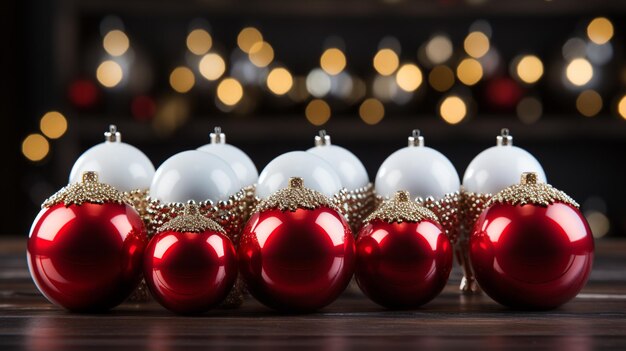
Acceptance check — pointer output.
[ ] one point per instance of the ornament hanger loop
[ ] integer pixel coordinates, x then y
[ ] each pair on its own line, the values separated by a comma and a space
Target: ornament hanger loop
416, 138
322, 139
504, 139
112, 135
217, 137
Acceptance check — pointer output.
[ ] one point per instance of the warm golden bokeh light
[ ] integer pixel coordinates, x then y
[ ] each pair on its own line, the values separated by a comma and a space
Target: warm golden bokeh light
212, 66
452, 109
469, 71
409, 77
441, 78
600, 30
317, 112
229, 91
386, 62
579, 72
109, 73
279, 81
53, 124
182, 79
35, 147
439, 49
116, 43
371, 111
589, 103
529, 69
248, 37
261, 54
333, 61
621, 107
476, 44
199, 41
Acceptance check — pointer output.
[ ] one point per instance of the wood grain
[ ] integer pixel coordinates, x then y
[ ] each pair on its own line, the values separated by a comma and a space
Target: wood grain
596, 319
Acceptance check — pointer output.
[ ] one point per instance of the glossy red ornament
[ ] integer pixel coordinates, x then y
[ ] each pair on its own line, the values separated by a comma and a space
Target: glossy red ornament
296, 260
86, 257
402, 264
531, 256
190, 272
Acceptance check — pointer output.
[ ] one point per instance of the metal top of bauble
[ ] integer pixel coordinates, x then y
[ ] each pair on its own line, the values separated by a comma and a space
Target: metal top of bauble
416, 139
113, 135
322, 139
217, 137
504, 139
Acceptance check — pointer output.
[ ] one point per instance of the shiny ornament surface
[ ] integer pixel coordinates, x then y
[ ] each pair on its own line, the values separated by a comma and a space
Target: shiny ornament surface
86, 257
349, 168
499, 167
318, 174
190, 272
240, 162
296, 253
194, 175
418, 169
531, 256
403, 262
119, 164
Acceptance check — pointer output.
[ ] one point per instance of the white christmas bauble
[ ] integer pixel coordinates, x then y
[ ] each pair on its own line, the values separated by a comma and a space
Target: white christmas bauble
351, 171
316, 173
118, 164
418, 169
499, 167
240, 162
194, 175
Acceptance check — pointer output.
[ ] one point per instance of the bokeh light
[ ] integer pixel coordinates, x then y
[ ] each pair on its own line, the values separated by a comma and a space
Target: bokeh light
469, 71
279, 81
261, 54
386, 62
441, 78
53, 124
35, 147
600, 30
409, 77
199, 41
529, 69
212, 66
371, 111
116, 43
529, 110
439, 49
476, 44
182, 79
621, 107
333, 61
452, 109
229, 91
579, 71
248, 37
589, 103
318, 83
317, 112
109, 73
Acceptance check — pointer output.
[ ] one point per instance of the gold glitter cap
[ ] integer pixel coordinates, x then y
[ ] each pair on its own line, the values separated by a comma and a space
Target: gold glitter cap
401, 209
89, 190
529, 191
295, 196
191, 221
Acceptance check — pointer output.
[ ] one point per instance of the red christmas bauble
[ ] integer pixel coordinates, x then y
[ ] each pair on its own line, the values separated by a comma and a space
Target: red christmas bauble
190, 271
296, 259
86, 257
402, 263
531, 256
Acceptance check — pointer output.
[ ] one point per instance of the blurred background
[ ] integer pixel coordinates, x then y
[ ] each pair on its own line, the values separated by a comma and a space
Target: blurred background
272, 73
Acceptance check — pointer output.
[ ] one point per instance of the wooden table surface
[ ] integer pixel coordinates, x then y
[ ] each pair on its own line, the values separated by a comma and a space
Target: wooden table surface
596, 319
